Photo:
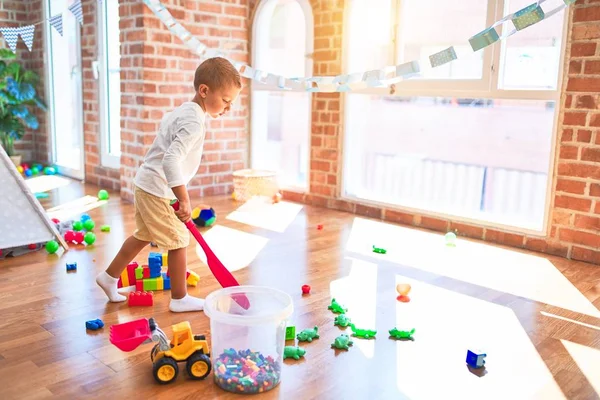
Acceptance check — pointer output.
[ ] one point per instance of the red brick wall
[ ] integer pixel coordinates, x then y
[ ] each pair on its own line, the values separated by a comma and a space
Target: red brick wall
575, 211
158, 76
15, 13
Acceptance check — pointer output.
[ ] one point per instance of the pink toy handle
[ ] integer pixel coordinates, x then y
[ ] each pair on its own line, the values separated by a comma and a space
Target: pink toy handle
222, 274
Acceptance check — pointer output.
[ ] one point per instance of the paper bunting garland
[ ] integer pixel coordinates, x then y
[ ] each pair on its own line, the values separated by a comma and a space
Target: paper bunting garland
27, 33
75, 8
57, 23
11, 35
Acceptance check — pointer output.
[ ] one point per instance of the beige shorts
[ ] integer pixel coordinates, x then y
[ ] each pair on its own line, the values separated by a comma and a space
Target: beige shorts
155, 221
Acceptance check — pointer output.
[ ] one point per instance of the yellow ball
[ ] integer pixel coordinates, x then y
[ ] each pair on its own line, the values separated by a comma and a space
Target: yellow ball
20, 169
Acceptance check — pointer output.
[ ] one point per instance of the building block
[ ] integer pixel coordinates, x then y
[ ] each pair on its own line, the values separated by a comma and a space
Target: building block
139, 285
153, 284
192, 278
155, 259
141, 299
72, 266
153, 272
139, 273
290, 332
165, 259
94, 324
475, 358
166, 281
127, 278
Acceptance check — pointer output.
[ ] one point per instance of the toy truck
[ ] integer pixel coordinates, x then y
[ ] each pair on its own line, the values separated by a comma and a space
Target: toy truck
166, 354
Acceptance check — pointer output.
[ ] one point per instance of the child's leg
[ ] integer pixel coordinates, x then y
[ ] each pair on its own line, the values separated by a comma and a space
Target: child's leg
108, 279
180, 300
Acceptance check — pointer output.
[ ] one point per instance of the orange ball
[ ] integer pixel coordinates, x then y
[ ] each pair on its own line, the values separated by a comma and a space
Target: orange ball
403, 289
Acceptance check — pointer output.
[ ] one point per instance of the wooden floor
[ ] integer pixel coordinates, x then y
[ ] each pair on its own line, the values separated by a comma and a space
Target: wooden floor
536, 317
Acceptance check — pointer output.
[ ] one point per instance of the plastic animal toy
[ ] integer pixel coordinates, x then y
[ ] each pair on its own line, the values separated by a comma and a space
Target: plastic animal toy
342, 320
294, 352
396, 334
342, 342
336, 307
362, 333
308, 335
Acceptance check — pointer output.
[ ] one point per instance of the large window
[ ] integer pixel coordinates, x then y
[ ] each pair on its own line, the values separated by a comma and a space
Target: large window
108, 72
470, 139
283, 40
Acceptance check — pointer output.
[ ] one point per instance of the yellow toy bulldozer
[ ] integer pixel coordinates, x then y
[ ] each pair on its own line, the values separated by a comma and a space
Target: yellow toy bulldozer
185, 347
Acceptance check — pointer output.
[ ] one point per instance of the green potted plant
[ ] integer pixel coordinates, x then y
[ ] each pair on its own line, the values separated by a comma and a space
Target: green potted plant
18, 99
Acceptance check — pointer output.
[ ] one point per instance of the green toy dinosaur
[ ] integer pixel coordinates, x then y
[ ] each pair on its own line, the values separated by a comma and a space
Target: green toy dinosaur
294, 352
362, 333
336, 307
308, 335
342, 320
396, 334
342, 342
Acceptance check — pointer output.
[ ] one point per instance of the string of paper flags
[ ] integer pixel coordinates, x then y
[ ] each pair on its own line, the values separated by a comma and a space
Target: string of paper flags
27, 32
524, 18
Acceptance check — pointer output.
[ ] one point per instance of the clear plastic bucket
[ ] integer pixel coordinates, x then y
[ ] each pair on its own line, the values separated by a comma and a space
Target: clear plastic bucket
247, 344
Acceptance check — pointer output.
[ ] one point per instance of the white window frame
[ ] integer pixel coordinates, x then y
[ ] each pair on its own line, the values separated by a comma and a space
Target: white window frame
107, 159
258, 86
488, 88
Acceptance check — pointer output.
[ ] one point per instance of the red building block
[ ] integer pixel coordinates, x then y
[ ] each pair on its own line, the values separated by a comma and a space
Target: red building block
141, 299
139, 285
127, 277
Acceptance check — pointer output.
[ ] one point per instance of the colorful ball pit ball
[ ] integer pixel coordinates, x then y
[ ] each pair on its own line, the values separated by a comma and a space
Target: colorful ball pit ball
89, 224
89, 238
206, 217
102, 195
77, 226
52, 246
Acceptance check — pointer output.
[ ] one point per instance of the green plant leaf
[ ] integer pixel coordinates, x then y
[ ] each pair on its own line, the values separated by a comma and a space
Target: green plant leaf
30, 77
7, 54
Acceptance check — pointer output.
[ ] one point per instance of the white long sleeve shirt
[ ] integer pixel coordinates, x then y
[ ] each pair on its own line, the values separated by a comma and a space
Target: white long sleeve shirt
174, 157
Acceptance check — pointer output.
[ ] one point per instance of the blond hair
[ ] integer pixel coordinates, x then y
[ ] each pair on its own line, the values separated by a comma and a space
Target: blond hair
217, 73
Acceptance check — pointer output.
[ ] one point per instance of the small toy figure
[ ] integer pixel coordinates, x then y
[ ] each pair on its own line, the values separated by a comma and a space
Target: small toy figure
336, 307
305, 289
342, 342
475, 358
396, 334
362, 333
72, 266
379, 250
290, 332
294, 352
342, 320
94, 324
308, 335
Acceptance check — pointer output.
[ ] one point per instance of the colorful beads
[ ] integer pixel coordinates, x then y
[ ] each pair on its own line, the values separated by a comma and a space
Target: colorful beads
246, 371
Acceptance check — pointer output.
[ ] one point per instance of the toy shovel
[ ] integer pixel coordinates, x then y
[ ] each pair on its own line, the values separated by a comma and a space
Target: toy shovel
222, 274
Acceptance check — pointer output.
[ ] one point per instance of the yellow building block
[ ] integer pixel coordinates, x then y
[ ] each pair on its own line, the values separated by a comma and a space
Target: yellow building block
165, 259
192, 278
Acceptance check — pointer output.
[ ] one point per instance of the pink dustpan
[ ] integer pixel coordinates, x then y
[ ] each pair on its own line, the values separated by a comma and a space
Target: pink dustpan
129, 335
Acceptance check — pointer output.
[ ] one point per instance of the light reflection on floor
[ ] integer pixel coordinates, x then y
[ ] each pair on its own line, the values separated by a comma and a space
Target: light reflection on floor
74, 208
45, 183
588, 361
275, 217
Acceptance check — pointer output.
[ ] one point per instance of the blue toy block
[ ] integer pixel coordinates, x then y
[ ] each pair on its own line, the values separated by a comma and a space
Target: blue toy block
475, 358
154, 271
154, 258
72, 266
94, 324
166, 281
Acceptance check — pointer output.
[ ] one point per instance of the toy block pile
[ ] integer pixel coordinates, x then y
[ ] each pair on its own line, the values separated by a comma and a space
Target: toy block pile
151, 277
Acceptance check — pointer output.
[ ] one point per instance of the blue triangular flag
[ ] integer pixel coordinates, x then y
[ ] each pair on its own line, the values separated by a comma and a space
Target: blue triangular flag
57, 23
27, 33
75, 8
11, 35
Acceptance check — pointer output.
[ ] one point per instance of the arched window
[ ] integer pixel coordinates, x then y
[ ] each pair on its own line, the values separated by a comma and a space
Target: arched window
281, 120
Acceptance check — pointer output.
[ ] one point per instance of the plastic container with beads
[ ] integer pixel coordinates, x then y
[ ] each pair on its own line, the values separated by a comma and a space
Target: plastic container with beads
247, 344
248, 183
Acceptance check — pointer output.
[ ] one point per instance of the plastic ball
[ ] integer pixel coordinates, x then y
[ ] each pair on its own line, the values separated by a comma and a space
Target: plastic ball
69, 236
77, 226
206, 217
89, 224
56, 220
103, 195
28, 172
52, 246
450, 239
20, 169
35, 170
50, 171
89, 238
84, 217
79, 237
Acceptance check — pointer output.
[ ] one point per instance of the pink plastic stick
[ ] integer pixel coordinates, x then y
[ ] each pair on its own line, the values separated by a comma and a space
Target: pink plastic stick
222, 274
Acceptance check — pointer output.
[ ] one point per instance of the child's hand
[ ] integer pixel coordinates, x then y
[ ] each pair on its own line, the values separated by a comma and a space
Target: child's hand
185, 211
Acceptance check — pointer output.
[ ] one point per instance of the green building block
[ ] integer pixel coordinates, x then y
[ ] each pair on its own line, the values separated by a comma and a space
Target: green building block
290, 332
139, 273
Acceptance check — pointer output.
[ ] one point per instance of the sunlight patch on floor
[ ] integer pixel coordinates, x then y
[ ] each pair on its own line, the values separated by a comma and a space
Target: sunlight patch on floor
358, 293
546, 314
481, 264
447, 324
235, 249
44, 183
275, 217
74, 208
588, 361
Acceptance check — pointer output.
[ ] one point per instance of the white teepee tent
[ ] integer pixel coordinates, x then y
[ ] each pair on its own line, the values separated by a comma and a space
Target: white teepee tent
23, 220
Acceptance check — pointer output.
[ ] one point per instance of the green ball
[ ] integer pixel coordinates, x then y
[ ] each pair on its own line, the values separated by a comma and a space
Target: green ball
89, 238
89, 224
103, 195
52, 246
77, 226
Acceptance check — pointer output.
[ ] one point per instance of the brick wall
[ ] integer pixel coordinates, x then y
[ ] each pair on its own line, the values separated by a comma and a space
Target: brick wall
575, 211
15, 13
158, 74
